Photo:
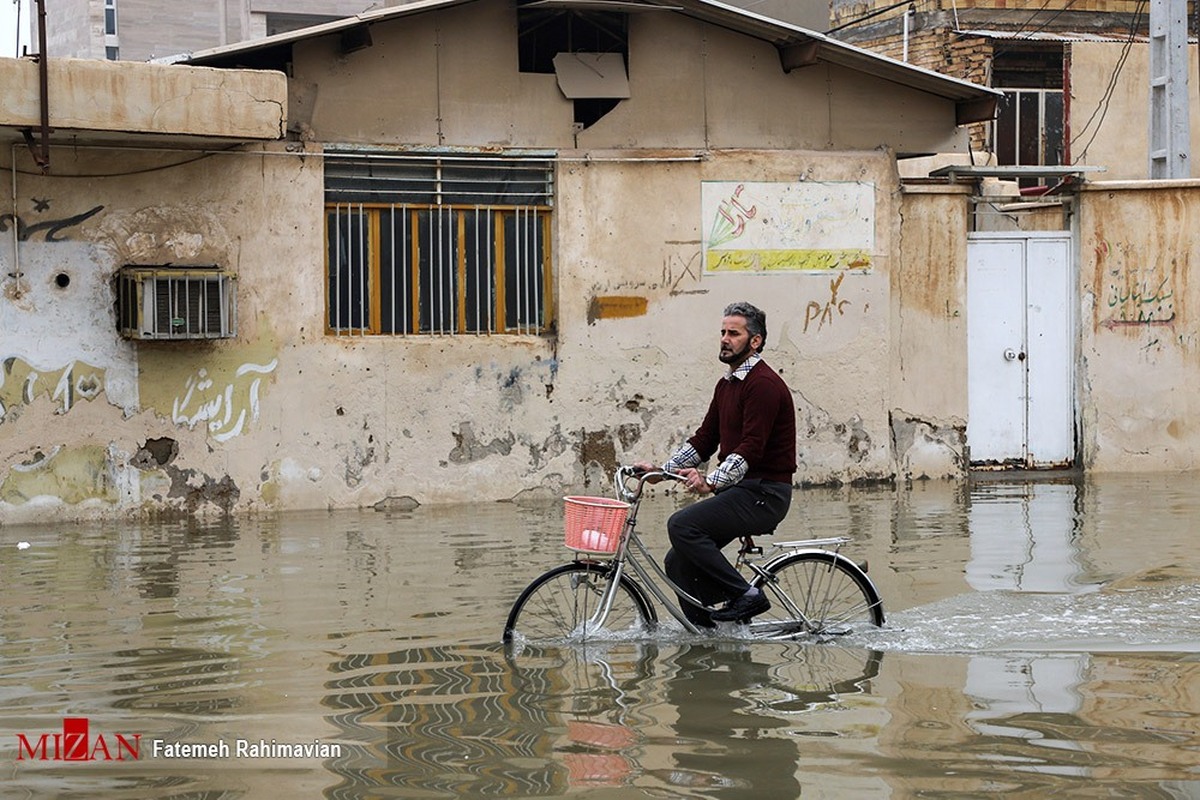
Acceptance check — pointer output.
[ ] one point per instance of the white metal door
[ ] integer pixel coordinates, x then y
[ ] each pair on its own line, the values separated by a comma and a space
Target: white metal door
1020, 353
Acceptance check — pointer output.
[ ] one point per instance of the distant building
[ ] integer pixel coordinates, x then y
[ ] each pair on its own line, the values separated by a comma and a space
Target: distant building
1019, 50
141, 30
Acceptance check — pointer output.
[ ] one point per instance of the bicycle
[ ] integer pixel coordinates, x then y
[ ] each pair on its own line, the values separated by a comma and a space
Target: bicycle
813, 588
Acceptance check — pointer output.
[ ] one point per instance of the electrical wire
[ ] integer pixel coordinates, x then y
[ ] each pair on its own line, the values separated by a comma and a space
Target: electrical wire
1102, 105
1015, 37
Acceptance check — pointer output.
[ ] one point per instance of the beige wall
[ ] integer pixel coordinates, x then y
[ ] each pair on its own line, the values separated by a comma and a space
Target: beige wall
284, 416
1121, 119
121, 98
1140, 349
928, 394
448, 78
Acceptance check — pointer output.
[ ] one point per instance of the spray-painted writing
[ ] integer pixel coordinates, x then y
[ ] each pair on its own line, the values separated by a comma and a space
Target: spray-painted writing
225, 409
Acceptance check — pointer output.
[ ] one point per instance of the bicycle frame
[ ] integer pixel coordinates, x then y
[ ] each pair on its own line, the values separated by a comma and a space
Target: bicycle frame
653, 578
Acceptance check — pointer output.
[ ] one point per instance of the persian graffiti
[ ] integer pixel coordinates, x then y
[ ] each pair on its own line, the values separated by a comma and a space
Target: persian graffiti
824, 314
1139, 297
225, 409
21, 382
798, 226
53, 228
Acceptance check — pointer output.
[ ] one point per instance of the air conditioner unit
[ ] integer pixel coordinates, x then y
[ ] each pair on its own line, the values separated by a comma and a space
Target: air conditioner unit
176, 303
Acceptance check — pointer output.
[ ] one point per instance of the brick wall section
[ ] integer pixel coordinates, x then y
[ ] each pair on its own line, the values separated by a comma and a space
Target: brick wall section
842, 11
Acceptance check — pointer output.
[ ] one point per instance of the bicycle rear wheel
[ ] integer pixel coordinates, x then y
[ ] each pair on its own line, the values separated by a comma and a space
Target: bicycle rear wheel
831, 592
556, 606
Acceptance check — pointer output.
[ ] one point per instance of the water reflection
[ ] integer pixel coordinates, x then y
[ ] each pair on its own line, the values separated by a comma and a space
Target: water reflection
1042, 641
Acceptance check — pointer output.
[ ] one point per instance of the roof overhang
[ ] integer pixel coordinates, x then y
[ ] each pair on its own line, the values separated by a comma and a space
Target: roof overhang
798, 47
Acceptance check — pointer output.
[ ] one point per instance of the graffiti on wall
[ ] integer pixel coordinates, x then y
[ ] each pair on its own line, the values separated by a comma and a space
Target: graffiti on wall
225, 409
53, 228
1139, 296
796, 226
824, 313
21, 382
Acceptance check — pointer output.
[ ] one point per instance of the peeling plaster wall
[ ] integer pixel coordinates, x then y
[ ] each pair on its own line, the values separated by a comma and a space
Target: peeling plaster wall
929, 334
827, 331
1140, 344
284, 416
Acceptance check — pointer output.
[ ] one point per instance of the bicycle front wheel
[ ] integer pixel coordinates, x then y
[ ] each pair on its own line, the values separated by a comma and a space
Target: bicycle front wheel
560, 605
819, 593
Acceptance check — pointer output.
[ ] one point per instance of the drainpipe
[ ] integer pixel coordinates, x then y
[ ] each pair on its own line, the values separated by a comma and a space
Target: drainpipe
42, 155
908, 14
16, 227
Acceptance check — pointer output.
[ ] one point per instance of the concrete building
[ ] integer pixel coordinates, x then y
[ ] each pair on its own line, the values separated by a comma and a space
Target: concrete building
140, 30
1025, 51
444, 253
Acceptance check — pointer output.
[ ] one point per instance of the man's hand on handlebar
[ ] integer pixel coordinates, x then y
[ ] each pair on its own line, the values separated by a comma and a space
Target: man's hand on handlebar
696, 481
642, 467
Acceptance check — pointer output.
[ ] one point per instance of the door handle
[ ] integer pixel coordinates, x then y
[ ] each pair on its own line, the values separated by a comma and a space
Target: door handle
1013, 355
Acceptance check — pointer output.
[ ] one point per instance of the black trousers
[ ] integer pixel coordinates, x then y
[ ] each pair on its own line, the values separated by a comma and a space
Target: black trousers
699, 531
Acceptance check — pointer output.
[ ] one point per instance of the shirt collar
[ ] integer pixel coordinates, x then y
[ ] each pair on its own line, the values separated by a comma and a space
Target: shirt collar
744, 368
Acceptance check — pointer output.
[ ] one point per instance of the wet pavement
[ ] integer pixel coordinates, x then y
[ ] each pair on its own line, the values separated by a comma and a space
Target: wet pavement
1041, 641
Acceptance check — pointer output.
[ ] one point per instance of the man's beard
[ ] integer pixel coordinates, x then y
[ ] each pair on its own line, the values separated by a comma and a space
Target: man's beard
730, 357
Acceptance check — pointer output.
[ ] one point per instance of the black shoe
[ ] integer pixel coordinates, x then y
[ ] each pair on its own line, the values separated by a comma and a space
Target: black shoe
742, 609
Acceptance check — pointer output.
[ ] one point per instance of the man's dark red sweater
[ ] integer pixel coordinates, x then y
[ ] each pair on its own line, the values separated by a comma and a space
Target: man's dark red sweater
754, 418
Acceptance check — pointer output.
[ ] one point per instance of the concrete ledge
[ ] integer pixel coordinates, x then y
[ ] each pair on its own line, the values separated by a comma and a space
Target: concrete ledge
136, 97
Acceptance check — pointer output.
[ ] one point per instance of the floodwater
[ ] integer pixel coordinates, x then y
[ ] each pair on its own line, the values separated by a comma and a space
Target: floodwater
1042, 640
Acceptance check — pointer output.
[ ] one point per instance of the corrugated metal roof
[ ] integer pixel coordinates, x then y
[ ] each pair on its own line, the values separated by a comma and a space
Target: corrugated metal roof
975, 103
1053, 36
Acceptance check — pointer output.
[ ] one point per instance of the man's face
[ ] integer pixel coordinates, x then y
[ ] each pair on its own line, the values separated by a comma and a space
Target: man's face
736, 342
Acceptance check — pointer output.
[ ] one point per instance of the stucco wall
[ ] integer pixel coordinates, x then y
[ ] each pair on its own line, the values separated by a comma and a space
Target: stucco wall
284, 416
1139, 340
447, 78
1110, 126
126, 97
928, 400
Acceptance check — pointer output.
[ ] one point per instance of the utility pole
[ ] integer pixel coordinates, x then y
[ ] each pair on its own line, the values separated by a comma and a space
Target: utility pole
1170, 128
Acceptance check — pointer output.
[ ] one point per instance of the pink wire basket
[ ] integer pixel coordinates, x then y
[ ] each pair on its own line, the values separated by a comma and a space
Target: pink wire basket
593, 524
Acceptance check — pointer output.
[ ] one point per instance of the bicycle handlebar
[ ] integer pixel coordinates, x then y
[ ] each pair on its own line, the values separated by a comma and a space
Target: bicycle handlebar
625, 473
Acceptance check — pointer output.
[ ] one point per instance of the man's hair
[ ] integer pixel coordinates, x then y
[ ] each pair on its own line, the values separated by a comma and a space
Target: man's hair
756, 319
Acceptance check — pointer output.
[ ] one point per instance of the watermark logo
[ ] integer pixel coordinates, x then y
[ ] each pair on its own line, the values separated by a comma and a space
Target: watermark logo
77, 743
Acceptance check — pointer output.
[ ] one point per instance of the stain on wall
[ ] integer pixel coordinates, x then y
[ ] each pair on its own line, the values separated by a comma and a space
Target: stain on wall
928, 448
70, 474
165, 234
616, 307
468, 447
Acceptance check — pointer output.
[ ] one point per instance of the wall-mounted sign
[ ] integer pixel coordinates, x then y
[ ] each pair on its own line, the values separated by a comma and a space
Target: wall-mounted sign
801, 226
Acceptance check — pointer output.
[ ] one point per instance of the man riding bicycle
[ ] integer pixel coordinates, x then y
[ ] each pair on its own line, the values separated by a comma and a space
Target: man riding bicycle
751, 426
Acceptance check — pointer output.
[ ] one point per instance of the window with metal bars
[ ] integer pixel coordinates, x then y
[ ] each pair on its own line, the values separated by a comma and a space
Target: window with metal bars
437, 245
